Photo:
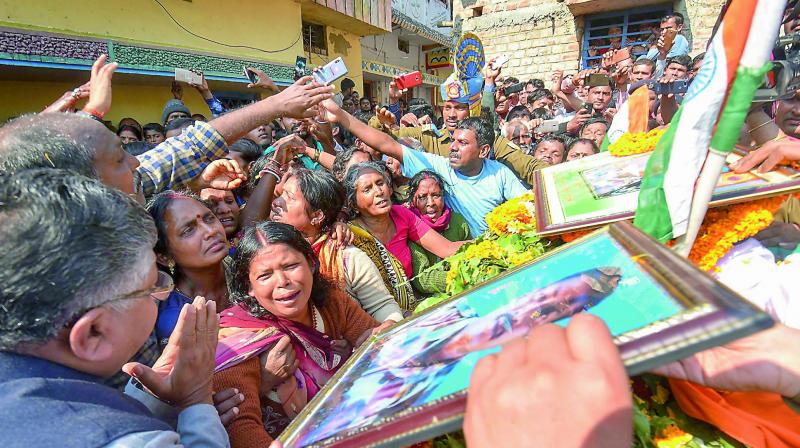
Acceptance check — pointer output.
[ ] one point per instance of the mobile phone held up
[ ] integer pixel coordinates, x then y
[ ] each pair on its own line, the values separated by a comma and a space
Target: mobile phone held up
408, 80
330, 72
547, 127
499, 62
188, 76
514, 88
299, 67
250, 75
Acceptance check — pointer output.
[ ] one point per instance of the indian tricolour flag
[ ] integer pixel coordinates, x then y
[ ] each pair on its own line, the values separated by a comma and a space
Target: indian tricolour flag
633, 116
665, 197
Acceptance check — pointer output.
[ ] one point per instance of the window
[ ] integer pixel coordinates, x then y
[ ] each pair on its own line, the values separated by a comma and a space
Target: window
402, 45
638, 27
314, 39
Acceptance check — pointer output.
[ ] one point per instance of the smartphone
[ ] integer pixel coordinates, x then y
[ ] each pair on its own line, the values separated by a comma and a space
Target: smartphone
188, 76
598, 79
674, 87
408, 80
514, 88
669, 38
251, 76
330, 72
547, 127
619, 56
299, 67
587, 107
499, 62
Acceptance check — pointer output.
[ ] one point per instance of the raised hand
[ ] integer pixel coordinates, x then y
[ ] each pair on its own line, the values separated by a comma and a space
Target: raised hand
394, 92
286, 148
408, 120
491, 74
100, 86
545, 376
299, 99
68, 100
203, 86
264, 81
177, 90
386, 117
182, 375
223, 174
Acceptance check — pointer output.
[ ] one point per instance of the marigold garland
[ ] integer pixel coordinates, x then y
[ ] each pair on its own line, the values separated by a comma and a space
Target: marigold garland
725, 226
636, 143
513, 216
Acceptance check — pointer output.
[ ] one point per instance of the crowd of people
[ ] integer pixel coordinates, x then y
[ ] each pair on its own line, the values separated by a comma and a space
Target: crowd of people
291, 230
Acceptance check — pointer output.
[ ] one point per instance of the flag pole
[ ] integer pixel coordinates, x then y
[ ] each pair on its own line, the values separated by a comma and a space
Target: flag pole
753, 65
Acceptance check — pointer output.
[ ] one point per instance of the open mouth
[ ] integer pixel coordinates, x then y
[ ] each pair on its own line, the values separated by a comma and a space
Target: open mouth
227, 222
287, 299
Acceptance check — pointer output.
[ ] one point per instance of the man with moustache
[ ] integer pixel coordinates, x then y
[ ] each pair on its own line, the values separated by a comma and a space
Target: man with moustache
460, 104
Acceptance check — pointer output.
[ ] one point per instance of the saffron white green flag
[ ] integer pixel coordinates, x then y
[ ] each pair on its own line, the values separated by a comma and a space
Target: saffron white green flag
666, 194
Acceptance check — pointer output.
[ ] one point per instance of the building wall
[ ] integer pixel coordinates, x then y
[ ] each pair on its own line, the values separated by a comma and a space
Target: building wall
542, 36
274, 25
268, 26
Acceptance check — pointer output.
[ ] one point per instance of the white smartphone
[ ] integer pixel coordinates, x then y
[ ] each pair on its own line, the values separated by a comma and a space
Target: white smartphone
547, 127
499, 62
188, 76
330, 72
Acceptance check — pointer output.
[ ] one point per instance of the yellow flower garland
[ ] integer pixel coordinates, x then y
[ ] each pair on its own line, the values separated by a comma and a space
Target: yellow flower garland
636, 143
723, 227
513, 216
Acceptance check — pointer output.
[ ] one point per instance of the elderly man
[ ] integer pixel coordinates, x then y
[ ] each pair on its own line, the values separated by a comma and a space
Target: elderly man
78, 281
83, 145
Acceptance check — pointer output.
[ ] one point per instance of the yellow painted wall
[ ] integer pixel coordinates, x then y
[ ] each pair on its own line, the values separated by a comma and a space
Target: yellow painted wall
142, 102
348, 46
268, 25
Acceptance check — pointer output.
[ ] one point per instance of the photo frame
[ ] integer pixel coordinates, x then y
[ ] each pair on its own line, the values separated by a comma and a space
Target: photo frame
602, 189
408, 383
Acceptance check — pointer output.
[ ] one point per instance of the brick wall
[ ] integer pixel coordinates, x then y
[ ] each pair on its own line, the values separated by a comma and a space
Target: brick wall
541, 36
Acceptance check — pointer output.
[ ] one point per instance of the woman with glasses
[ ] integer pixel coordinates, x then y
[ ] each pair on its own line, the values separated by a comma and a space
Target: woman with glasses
287, 333
426, 200
191, 245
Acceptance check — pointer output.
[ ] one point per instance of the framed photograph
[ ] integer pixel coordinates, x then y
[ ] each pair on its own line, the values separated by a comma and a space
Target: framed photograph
408, 384
602, 189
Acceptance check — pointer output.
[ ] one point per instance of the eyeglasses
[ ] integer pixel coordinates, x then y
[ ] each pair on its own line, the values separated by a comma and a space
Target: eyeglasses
159, 293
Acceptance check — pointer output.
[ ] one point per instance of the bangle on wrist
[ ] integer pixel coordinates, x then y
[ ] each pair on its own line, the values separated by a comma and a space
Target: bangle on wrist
271, 172
93, 112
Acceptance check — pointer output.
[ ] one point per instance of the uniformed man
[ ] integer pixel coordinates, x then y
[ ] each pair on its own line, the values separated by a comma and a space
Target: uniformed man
459, 105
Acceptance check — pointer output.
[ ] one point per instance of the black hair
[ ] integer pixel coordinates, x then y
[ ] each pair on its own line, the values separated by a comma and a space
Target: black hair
347, 83
199, 117
134, 129
178, 123
681, 59
418, 102
413, 184
259, 165
510, 81
138, 125
592, 121
342, 159
420, 111
698, 58
676, 15
68, 244
136, 148
583, 140
322, 192
154, 127
644, 60
157, 207
538, 94
541, 112
254, 239
249, 149
355, 172
537, 83
484, 133
552, 138
518, 112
